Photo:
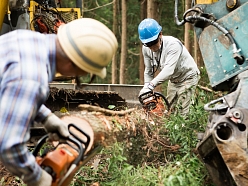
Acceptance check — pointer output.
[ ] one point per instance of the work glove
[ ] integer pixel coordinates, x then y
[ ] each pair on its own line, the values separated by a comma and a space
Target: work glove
54, 126
147, 88
45, 180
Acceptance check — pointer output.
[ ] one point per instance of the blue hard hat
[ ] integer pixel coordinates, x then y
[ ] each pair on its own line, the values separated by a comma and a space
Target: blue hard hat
149, 30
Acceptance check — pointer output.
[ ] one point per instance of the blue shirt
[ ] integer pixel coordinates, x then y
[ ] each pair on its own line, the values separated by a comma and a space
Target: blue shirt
27, 65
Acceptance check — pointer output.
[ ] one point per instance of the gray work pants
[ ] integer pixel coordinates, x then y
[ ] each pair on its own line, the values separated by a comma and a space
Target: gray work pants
180, 95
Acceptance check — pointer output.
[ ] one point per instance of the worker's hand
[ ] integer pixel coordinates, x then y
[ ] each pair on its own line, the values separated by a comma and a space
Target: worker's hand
144, 90
55, 126
148, 87
45, 180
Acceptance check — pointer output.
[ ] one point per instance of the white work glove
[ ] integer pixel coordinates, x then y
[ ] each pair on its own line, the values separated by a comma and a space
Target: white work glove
45, 180
147, 88
144, 90
53, 125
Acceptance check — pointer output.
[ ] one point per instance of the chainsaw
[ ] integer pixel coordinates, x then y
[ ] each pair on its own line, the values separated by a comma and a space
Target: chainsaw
154, 102
64, 158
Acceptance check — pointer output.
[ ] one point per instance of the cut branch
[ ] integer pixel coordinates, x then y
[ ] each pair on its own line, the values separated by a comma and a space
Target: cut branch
210, 90
91, 108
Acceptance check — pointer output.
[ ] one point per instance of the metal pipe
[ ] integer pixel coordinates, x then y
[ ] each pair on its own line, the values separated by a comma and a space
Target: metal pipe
176, 15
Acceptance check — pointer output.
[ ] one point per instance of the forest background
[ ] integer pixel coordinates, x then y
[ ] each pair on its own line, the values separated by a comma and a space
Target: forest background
160, 154
148, 161
156, 153
123, 18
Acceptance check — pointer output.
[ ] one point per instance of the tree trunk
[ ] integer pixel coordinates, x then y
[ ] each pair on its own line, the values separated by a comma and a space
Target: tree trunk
143, 13
152, 9
152, 12
187, 40
123, 41
197, 53
114, 59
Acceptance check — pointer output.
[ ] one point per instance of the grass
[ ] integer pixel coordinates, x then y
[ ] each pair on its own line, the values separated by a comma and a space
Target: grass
151, 164
160, 154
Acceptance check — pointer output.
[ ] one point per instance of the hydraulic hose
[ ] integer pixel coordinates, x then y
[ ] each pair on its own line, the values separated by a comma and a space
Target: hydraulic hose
236, 55
192, 19
179, 23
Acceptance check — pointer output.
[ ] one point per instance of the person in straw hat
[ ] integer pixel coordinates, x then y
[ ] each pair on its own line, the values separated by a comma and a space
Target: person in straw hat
29, 62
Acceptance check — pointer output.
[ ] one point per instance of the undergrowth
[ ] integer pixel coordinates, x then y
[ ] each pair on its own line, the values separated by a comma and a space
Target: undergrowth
163, 153
160, 153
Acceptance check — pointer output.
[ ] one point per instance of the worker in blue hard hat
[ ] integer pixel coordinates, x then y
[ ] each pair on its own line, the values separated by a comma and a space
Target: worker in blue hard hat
176, 65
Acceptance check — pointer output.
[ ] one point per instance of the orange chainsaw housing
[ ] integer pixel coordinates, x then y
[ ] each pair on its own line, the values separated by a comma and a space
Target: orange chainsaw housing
60, 160
160, 109
155, 103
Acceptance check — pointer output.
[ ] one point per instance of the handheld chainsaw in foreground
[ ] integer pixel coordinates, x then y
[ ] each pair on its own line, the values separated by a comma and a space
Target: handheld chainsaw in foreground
63, 159
155, 103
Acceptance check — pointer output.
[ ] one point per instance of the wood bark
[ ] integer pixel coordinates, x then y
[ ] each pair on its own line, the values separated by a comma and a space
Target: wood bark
152, 9
123, 41
187, 30
114, 59
197, 53
143, 13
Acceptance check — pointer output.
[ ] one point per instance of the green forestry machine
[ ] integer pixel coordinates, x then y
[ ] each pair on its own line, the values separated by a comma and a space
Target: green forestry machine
221, 28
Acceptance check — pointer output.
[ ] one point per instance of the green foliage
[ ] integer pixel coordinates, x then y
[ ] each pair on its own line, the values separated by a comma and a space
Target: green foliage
140, 164
111, 107
103, 11
172, 160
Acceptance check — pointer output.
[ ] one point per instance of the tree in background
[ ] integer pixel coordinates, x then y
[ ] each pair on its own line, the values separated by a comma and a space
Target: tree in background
114, 59
188, 30
143, 13
127, 64
123, 41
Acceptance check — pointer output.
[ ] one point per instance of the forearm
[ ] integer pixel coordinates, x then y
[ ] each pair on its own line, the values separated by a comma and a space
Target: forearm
19, 104
20, 162
42, 113
13, 151
162, 76
148, 72
147, 77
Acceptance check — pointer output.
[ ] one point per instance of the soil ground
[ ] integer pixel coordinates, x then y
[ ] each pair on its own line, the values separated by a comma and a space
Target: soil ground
6, 178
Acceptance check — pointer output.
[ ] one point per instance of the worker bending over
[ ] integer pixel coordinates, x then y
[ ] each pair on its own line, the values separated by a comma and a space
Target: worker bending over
169, 55
29, 61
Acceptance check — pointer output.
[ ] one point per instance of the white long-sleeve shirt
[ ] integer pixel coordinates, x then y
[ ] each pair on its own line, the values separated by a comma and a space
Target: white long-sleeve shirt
174, 60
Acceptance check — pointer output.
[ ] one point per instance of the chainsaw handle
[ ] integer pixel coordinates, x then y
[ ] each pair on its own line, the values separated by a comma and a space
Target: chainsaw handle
71, 139
75, 136
39, 145
156, 94
146, 94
